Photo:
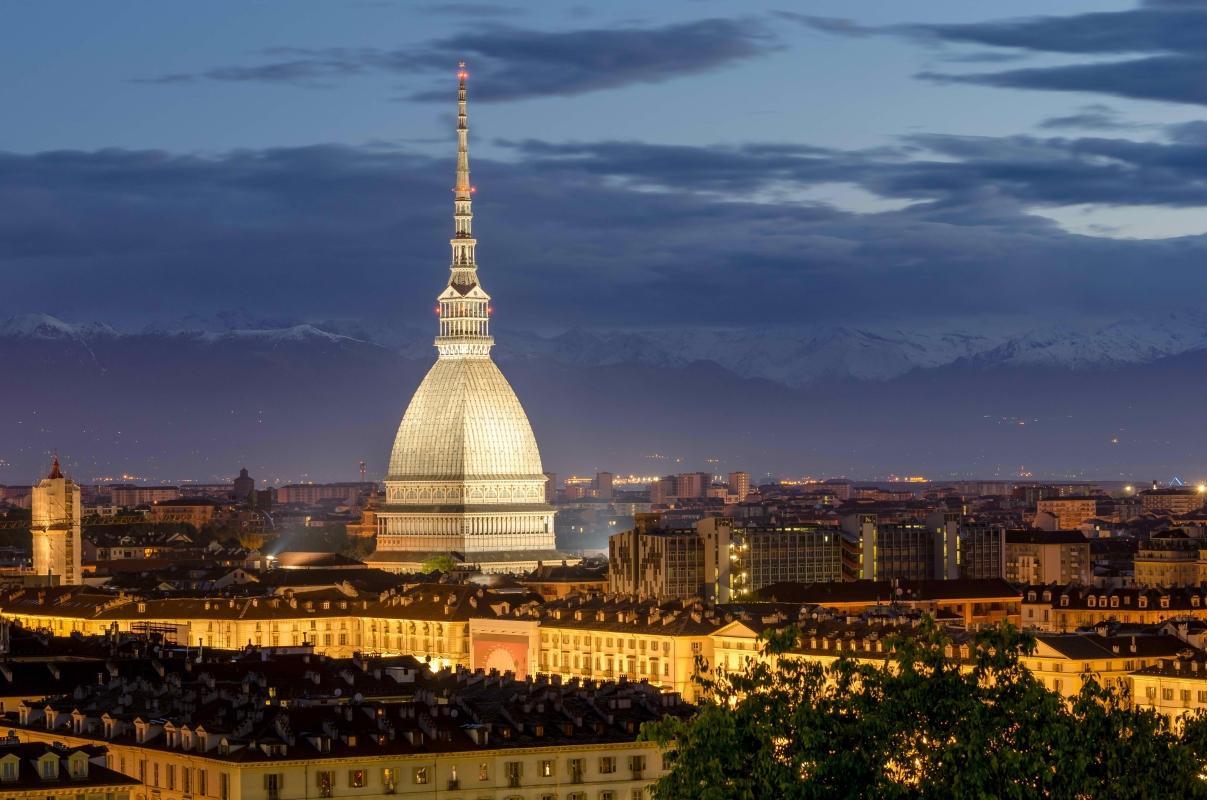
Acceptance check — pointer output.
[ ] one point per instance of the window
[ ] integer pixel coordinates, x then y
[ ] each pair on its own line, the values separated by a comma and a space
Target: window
155, 774
186, 780
272, 785
514, 771
202, 782
420, 775
1185, 695
10, 770
637, 794
1202, 696
546, 769
1167, 694
483, 771
49, 768
325, 781
607, 795
389, 779
356, 779
1151, 692
636, 764
607, 765
171, 776
224, 786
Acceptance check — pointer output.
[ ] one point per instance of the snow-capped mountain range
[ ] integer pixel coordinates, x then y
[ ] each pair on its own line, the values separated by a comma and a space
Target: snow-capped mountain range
795, 357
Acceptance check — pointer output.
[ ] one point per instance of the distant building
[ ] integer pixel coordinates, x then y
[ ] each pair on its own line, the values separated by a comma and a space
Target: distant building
1173, 501
877, 550
550, 487
741, 558
664, 490
55, 526
690, 485
311, 494
195, 511
1069, 511
651, 562
739, 485
1168, 559
244, 487
971, 550
1035, 556
129, 496
603, 485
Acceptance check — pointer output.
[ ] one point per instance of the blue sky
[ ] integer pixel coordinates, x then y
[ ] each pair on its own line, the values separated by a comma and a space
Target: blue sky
925, 162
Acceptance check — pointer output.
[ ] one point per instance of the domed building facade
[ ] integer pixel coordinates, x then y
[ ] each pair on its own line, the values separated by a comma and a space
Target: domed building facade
465, 477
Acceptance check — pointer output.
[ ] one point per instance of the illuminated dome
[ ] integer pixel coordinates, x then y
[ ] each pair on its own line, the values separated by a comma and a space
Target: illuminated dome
465, 478
465, 423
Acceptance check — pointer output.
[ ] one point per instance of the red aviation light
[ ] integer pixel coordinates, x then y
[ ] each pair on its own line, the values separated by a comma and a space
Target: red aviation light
437, 310
490, 310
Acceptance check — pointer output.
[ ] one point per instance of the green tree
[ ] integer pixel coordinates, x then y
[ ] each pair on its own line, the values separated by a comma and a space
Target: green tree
441, 563
919, 725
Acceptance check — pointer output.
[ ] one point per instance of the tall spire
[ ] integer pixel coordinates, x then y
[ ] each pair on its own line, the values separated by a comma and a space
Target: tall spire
464, 267
464, 306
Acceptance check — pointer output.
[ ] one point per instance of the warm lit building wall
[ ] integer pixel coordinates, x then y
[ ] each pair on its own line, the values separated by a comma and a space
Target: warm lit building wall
1068, 511
619, 771
1069, 607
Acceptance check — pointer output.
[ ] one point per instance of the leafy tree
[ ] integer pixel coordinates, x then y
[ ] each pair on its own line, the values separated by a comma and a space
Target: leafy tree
919, 724
441, 563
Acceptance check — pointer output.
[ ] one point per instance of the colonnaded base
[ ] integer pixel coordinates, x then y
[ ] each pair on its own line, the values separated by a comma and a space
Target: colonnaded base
496, 561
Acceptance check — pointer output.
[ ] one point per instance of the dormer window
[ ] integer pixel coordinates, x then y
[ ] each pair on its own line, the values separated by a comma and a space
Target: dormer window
1115, 602
1092, 601
1064, 601
1143, 602
9, 767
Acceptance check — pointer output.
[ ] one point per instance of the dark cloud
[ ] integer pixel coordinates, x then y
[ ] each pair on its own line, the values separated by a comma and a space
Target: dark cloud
514, 63
1162, 44
1092, 117
605, 234
1175, 78
950, 172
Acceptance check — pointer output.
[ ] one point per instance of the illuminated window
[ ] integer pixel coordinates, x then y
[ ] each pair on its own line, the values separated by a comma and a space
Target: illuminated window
389, 779
356, 778
325, 781
420, 775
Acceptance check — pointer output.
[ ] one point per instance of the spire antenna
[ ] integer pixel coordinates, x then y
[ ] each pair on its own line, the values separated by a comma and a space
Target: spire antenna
463, 307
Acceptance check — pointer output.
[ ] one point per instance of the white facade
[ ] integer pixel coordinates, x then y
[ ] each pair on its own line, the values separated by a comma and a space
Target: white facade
55, 525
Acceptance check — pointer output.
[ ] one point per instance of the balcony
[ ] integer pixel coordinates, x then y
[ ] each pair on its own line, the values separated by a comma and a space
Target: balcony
454, 784
513, 781
576, 776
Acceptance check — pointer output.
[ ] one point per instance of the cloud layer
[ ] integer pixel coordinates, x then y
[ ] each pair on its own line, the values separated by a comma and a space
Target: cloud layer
517, 63
1157, 51
606, 234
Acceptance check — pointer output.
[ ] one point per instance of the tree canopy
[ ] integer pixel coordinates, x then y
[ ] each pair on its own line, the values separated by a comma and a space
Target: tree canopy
920, 724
